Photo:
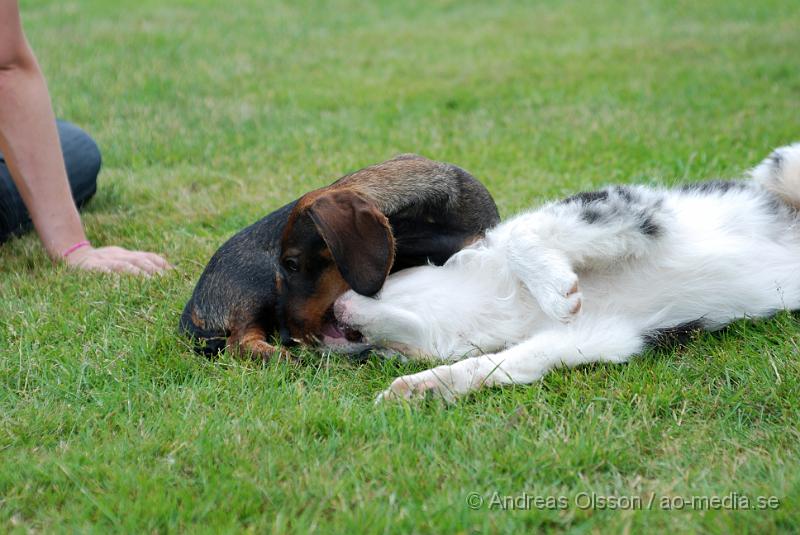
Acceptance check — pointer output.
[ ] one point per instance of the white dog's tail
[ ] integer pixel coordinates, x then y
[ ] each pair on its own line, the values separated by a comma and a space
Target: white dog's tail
780, 173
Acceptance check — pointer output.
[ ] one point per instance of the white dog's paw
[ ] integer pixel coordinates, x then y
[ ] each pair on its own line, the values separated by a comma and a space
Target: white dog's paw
561, 299
435, 383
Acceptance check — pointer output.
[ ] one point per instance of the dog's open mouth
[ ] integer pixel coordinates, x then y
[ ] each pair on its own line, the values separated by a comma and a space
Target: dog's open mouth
335, 331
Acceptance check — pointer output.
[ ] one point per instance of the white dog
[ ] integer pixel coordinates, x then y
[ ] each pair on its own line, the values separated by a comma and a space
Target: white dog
593, 278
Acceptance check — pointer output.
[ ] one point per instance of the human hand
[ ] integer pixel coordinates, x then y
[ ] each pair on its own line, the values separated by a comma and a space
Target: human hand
117, 259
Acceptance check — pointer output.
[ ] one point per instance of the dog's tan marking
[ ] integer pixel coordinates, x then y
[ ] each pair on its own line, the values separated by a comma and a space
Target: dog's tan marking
251, 342
197, 320
312, 311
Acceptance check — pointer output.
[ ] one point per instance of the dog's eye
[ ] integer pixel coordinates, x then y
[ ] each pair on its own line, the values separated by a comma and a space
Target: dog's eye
291, 264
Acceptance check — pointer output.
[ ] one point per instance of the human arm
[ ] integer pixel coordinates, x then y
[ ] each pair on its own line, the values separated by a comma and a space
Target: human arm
30, 145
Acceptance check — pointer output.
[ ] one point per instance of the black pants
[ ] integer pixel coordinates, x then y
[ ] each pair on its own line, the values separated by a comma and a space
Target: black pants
82, 158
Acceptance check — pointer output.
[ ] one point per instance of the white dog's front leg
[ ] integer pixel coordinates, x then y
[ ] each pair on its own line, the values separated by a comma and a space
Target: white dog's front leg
611, 341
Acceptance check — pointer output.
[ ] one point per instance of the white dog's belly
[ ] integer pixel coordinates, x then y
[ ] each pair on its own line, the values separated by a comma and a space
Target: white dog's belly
750, 278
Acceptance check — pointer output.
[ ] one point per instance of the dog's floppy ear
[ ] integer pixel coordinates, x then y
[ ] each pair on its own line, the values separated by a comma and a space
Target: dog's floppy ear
358, 236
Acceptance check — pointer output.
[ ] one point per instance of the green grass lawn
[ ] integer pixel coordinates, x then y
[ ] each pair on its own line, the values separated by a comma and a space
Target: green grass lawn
211, 114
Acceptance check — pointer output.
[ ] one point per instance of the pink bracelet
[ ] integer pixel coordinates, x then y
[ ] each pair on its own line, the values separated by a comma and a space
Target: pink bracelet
75, 247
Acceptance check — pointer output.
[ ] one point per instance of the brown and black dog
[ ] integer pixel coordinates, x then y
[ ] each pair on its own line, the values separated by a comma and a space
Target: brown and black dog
283, 273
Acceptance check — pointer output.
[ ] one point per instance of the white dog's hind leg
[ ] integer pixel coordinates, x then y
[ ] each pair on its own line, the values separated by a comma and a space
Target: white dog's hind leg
546, 247
609, 341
